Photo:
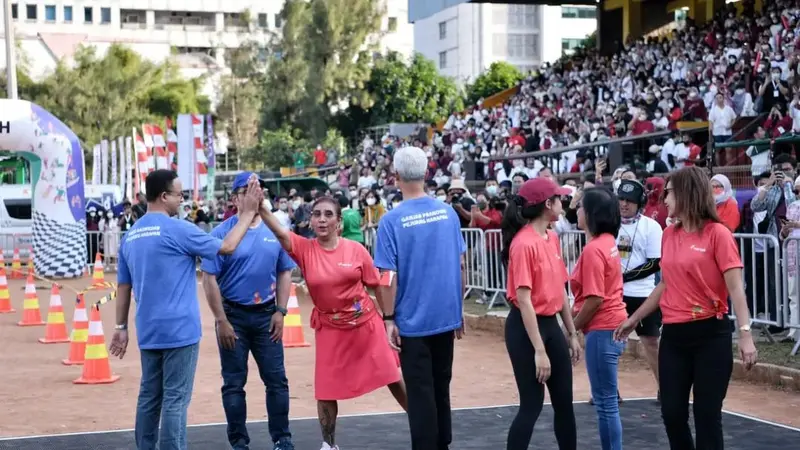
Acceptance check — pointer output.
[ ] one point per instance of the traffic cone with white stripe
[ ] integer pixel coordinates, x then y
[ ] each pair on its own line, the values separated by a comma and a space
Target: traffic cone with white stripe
56, 330
97, 275
293, 324
5, 296
31, 269
31, 316
16, 266
96, 366
79, 335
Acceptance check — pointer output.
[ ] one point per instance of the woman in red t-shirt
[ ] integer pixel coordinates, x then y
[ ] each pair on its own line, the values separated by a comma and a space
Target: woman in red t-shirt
700, 268
597, 285
353, 356
539, 352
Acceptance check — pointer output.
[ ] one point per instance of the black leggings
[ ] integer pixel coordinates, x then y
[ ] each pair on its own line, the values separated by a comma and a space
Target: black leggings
531, 392
698, 357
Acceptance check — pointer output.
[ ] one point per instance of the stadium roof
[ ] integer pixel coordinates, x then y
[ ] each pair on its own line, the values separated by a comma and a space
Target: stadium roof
421, 9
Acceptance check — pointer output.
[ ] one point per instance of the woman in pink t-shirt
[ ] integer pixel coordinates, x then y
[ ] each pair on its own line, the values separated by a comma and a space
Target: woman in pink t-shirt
700, 268
353, 356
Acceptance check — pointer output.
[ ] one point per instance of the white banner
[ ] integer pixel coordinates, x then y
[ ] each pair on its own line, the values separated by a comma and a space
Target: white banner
96, 164
186, 153
129, 172
104, 162
121, 153
114, 174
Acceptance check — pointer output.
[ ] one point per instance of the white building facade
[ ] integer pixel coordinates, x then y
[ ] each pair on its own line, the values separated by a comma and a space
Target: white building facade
464, 40
51, 30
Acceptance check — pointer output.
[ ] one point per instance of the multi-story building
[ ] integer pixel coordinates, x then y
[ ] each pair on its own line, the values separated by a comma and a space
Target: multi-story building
465, 39
51, 30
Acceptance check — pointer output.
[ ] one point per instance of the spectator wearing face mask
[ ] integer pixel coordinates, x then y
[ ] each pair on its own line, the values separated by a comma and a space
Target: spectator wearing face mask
372, 210
772, 92
727, 206
282, 213
778, 122
641, 125
301, 215
660, 123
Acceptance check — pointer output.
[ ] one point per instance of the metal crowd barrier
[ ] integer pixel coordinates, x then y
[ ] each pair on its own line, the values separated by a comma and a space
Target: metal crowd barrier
790, 276
495, 278
10, 241
474, 260
761, 257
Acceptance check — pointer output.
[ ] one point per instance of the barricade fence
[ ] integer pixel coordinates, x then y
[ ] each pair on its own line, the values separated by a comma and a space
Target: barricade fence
771, 275
766, 276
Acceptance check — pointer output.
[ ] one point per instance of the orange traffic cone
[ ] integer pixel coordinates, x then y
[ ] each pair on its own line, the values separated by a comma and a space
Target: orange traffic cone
5, 297
97, 275
96, 367
56, 331
80, 334
16, 266
31, 316
292, 324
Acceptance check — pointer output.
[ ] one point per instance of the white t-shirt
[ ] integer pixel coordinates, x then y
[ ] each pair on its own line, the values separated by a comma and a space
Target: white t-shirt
637, 242
283, 219
722, 120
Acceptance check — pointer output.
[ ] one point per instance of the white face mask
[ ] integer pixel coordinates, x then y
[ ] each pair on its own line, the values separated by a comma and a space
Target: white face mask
283, 206
110, 215
370, 201
91, 214
353, 193
441, 198
491, 190
296, 204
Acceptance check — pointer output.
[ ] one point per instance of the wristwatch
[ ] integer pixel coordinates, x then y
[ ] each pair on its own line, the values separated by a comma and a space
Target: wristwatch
388, 317
121, 327
745, 328
282, 310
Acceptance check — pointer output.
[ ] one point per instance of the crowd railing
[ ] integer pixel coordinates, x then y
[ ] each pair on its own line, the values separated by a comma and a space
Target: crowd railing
771, 275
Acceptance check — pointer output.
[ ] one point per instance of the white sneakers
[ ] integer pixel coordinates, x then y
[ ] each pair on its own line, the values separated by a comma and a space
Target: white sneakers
325, 446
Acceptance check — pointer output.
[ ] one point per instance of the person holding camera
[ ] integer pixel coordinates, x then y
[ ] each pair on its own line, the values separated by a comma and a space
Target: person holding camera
488, 216
458, 197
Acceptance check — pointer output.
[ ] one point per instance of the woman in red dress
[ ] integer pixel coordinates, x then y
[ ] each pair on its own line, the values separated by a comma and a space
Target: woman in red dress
353, 356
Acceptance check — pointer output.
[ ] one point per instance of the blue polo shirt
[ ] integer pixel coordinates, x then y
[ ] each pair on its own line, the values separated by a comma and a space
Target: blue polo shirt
421, 241
157, 257
248, 276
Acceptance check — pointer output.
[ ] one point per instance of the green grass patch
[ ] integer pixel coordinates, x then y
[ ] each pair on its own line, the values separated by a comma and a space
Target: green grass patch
778, 353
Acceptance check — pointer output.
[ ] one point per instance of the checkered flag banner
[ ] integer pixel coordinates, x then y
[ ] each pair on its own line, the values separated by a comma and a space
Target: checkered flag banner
60, 248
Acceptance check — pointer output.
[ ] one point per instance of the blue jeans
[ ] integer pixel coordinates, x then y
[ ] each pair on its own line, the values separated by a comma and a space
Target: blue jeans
602, 359
251, 325
164, 395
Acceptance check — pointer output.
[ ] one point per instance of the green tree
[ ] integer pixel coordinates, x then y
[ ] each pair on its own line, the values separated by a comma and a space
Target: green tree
242, 94
500, 76
408, 92
277, 148
321, 62
100, 97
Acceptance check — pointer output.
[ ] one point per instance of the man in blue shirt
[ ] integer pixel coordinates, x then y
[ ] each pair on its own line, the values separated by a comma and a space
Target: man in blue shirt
248, 292
426, 314
157, 260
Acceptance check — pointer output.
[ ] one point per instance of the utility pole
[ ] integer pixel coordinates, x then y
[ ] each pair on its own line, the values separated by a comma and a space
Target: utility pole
11, 57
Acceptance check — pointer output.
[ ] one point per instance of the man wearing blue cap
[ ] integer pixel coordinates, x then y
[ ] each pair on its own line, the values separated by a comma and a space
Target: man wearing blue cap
248, 293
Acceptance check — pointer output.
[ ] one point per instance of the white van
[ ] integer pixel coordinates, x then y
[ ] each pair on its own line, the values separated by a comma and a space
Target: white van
15, 219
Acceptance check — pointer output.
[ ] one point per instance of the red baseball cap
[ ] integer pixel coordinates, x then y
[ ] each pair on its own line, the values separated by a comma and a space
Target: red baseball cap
539, 189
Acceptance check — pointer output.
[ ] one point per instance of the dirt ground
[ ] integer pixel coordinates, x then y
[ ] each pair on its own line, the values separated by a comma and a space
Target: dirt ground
39, 397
